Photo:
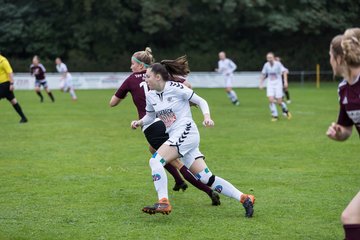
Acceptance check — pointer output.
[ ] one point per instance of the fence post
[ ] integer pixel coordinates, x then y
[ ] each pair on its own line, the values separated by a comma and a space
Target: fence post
317, 75
302, 78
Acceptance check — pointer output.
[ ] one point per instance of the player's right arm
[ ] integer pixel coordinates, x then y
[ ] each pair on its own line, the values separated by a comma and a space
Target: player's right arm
147, 119
338, 132
120, 94
342, 129
262, 77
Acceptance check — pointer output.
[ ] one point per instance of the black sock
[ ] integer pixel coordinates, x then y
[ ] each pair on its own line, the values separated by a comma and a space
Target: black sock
51, 96
174, 172
287, 95
41, 96
19, 110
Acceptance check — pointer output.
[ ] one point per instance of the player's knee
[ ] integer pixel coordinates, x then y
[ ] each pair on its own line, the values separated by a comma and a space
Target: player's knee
155, 159
346, 217
206, 177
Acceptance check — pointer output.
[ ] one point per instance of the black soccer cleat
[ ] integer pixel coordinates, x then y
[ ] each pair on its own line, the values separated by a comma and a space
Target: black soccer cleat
248, 202
23, 120
183, 186
215, 198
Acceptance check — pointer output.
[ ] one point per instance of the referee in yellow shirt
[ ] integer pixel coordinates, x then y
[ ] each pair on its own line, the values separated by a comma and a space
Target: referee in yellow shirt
7, 86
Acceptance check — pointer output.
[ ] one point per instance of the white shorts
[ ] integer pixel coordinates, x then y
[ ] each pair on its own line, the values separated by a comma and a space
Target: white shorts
187, 140
66, 83
275, 91
228, 80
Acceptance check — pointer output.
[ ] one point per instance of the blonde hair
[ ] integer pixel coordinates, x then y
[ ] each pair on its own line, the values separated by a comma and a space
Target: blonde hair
144, 57
351, 47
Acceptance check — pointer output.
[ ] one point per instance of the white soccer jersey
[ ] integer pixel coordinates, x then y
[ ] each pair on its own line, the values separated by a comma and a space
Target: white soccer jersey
226, 67
169, 105
62, 68
273, 72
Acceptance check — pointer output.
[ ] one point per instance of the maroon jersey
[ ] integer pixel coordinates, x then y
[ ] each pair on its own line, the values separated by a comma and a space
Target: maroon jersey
38, 71
349, 98
137, 87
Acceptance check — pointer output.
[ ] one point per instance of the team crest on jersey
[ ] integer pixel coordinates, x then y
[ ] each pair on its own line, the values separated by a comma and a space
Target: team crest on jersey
345, 101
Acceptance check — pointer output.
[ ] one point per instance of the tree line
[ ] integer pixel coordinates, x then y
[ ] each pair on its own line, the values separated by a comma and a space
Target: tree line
101, 35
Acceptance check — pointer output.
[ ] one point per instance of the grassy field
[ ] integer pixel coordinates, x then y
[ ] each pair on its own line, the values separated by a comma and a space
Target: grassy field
77, 170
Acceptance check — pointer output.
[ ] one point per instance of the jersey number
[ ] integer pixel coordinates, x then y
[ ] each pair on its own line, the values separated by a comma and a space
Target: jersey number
145, 86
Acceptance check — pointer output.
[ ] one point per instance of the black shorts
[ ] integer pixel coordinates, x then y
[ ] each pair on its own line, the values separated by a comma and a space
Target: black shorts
5, 91
156, 134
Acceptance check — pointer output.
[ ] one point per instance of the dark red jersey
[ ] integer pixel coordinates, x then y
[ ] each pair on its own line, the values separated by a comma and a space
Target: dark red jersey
38, 71
349, 99
137, 87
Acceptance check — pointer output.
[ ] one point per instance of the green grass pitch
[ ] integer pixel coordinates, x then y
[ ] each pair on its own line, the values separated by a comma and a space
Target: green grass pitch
77, 170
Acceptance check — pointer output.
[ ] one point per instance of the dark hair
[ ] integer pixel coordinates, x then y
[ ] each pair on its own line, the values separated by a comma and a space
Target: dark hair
170, 68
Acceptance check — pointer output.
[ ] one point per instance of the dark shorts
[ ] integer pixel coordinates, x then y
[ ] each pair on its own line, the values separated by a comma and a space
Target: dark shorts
39, 83
5, 91
156, 134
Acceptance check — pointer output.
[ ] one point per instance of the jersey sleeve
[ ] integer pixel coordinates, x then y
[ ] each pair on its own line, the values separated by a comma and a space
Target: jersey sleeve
123, 89
7, 67
283, 69
64, 67
343, 118
263, 71
42, 68
232, 66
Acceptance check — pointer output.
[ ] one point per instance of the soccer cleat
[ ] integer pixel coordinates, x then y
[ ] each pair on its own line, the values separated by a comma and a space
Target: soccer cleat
23, 120
163, 206
183, 186
289, 116
236, 102
248, 202
215, 198
274, 119
288, 101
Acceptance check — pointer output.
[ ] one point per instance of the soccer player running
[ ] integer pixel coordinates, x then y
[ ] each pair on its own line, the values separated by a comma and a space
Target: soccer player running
7, 86
274, 90
38, 70
285, 75
66, 84
227, 67
345, 61
155, 131
169, 101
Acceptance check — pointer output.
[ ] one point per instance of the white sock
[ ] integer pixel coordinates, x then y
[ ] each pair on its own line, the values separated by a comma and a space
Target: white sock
224, 187
273, 110
284, 107
232, 95
72, 93
159, 175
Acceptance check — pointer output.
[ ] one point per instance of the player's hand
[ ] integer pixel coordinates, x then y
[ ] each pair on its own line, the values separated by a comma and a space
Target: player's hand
135, 124
11, 88
208, 122
333, 131
286, 86
261, 86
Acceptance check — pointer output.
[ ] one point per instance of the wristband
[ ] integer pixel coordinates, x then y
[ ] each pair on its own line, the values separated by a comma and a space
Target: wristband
11, 83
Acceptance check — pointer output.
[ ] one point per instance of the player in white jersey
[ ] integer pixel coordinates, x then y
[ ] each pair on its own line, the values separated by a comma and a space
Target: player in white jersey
66, 83
273, 70
227, 67
169, 101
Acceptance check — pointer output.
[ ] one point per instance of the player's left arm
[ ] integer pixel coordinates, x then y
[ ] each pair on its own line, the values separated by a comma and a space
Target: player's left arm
196, 99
